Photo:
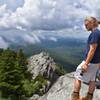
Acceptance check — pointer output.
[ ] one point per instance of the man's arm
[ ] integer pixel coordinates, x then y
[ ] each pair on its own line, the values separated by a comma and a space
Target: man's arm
91, 53
89, 56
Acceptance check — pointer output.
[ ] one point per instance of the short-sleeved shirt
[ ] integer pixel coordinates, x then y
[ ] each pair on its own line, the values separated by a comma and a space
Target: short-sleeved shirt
94, 37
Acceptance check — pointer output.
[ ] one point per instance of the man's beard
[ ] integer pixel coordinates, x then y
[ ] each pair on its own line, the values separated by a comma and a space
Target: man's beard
89, 29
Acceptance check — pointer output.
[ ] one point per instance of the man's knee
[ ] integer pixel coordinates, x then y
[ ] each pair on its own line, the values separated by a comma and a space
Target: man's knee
91, 87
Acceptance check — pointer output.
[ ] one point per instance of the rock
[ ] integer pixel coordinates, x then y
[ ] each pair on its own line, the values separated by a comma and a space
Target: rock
34, 97
42, 64
63, 87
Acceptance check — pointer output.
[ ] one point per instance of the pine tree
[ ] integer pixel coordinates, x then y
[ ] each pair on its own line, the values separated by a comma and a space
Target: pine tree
12, 72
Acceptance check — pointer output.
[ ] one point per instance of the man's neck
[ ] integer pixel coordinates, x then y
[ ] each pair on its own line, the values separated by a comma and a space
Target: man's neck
95, 28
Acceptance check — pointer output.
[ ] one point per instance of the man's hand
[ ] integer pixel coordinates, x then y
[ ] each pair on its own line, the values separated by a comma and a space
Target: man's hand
85, 67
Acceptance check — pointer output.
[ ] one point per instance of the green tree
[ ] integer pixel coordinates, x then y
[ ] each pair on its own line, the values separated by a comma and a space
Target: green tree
12, 72
15, 81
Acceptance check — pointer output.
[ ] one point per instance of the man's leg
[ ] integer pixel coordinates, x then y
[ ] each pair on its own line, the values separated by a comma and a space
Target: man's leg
76, 90
91, 87
77, 85
91, 90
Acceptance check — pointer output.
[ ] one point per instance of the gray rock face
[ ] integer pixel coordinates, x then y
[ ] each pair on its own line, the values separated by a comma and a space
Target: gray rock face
63, 87
42, 64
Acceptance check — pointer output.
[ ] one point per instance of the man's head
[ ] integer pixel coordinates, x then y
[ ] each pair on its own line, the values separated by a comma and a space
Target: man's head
91, 23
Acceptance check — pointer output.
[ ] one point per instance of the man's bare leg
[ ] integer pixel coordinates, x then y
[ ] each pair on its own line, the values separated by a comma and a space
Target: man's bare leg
91, 90
77, 85
76, 90
91, 87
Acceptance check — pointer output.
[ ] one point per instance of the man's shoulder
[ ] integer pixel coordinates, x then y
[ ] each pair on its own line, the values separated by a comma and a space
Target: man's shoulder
95, 33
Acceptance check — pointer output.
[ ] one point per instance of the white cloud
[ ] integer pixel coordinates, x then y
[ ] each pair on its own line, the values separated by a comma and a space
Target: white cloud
29, 39
46, 18
32, 38
53, 39
48, 14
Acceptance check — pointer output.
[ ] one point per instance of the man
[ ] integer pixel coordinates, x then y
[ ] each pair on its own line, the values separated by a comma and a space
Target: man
86, 71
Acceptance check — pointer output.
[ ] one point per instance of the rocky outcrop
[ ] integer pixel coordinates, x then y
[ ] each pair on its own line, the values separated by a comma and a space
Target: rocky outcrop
63, 87
42, 64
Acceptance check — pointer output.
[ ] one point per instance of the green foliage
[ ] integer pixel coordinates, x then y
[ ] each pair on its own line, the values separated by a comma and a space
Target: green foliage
60, 70
13, 67
34, 86
15, 81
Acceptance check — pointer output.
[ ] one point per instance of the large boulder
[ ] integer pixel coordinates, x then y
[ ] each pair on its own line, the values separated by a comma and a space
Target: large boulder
63, 87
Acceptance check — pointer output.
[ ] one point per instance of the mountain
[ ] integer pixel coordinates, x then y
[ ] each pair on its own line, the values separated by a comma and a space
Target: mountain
47, 80
65, 51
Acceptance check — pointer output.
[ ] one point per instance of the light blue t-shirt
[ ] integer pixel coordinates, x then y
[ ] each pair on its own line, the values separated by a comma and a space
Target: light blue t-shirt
94, 37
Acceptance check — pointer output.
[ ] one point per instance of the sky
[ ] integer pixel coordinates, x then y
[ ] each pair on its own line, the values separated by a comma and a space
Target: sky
33, 20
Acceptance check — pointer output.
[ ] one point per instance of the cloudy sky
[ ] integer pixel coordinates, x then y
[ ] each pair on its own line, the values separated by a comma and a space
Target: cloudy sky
33, 20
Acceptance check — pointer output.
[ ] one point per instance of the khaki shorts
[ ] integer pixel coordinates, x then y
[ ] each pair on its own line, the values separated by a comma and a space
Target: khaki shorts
88, 76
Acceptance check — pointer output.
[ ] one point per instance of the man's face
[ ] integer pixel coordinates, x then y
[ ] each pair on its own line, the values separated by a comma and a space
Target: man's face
89, 25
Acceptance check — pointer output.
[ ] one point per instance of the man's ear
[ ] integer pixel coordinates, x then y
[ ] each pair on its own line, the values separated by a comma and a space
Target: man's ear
98, 21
